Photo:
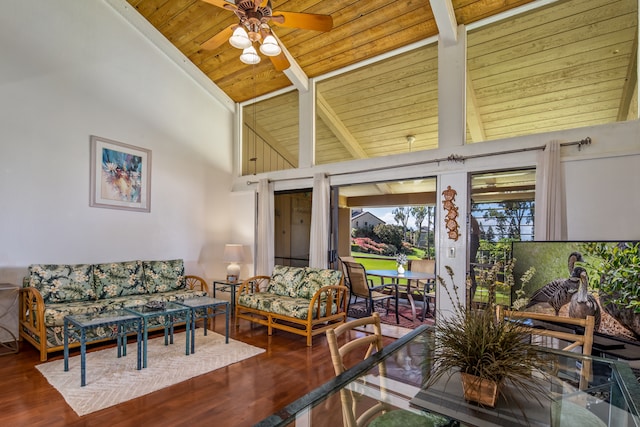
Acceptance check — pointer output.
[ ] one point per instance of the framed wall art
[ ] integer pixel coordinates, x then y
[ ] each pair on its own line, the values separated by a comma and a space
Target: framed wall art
120, 175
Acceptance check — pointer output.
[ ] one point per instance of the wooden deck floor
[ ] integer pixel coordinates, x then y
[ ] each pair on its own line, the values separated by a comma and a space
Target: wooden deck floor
241, 394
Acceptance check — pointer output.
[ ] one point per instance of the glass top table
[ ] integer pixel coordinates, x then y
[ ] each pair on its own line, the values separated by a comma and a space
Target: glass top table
89, 327
609, 394
206, 308
166, 313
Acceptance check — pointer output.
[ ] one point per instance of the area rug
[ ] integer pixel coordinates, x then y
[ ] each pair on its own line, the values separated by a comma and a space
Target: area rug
358, 310
112, 380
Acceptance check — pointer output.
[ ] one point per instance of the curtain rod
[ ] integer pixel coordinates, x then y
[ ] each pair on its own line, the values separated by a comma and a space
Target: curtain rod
451, 158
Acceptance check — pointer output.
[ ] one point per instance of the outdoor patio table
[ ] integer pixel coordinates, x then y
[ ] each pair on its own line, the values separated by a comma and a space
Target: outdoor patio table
395, 278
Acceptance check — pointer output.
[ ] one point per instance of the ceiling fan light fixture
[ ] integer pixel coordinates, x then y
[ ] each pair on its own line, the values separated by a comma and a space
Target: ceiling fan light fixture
270, 46
239, 39
250, 56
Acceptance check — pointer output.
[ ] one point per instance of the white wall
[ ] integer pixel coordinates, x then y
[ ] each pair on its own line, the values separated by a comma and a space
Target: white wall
71, 69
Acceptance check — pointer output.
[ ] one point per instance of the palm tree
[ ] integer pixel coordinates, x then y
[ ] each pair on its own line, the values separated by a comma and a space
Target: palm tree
419, 213
401, 216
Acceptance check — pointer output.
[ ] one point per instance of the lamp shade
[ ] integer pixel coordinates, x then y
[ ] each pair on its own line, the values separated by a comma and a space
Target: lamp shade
270, 46
250, 56
233, 253
239, 39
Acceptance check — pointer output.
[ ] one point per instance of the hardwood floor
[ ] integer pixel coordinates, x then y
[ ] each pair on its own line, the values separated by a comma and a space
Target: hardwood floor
241, 394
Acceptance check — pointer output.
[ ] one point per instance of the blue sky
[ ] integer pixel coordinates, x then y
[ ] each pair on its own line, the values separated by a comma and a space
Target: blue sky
386, 215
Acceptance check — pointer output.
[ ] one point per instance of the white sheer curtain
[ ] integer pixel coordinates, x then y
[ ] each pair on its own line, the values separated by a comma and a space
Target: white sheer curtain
550, 217
319, 240
264, 256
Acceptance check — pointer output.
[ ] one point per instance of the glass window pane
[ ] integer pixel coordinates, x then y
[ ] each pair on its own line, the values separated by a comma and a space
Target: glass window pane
369, 112
270, 134
567, 65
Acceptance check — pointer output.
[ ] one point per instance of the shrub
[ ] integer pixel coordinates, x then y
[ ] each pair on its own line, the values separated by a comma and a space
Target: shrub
367, 245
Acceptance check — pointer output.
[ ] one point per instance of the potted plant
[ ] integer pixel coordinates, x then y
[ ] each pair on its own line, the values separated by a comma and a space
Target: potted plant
485, 350
614, 270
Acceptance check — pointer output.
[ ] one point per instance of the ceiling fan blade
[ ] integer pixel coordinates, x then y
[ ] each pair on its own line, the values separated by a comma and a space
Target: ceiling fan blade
280, 62
305, 21
221, 3
219, 39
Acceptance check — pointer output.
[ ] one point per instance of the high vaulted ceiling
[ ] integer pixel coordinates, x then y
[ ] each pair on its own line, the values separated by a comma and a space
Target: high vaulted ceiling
561, 64
361, 30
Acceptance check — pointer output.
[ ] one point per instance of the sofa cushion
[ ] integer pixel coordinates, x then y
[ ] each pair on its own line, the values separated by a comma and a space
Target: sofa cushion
258, 300
119, 279
285, 280
54, 313
63, 283
316, 278
163, 276
278, 304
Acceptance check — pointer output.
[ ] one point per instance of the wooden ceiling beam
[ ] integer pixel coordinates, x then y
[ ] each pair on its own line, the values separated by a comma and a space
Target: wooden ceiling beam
629, 89
333, 122
272, 142
474, 120
445, 17
404, 199
294, 73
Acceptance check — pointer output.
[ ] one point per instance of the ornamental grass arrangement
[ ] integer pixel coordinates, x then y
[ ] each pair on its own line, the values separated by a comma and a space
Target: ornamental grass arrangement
487, 352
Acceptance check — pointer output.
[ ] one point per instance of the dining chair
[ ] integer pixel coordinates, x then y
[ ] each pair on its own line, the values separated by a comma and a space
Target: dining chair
357, 346
424, 289
362, 287
581, 336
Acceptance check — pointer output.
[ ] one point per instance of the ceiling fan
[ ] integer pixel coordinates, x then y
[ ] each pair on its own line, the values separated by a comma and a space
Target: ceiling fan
254, 16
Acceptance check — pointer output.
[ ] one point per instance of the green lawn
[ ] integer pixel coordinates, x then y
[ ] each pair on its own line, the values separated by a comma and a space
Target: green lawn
377, 264
502, 297
374, 262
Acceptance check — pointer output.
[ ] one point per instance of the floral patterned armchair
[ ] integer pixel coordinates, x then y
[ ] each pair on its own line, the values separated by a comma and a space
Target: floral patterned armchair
302, 300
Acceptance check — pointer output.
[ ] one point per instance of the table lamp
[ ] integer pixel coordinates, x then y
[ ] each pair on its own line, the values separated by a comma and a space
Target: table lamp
233, 254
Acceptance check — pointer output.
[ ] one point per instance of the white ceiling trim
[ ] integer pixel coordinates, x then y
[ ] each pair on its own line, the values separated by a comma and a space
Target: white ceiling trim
294, 73
509, 13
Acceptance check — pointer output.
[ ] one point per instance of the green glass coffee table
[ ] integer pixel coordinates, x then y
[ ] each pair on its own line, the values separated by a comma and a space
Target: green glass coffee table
167, 314
121, 323
206, 308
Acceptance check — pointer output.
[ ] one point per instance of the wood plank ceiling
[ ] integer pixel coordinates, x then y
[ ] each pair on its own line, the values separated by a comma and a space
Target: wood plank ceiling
567, 64
361, 30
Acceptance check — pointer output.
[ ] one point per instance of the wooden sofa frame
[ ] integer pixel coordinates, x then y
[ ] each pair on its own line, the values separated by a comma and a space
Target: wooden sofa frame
31, 308
310, 327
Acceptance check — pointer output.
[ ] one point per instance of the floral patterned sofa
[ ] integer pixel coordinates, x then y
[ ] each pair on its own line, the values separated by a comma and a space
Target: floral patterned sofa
51, 292
302, 300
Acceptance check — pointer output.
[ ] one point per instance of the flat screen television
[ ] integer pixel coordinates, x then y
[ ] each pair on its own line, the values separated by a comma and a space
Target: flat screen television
551, 261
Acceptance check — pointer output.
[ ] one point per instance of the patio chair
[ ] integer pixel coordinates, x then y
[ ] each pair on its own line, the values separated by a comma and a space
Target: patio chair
362, 287
343, 268
423, 290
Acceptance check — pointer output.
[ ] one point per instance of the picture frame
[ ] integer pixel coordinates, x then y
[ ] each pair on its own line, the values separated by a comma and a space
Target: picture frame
232, 278
120, 175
